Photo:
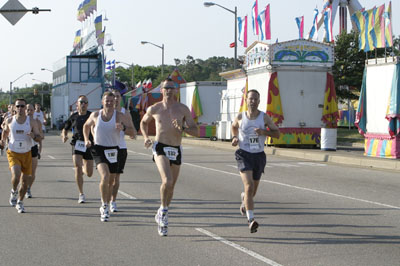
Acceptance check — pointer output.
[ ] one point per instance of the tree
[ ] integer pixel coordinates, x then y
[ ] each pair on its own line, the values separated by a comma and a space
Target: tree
350, 62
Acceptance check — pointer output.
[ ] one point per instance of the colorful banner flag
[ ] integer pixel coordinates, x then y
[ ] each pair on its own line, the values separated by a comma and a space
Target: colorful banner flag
77, 39
378, 31
388, 26
86, 5
92, 6
359, 20
328, 24
149, 83
300, 26
274, 103
261, 24
267, 23
313, 34
98, 24
242, 26
81, 14
330, 113
196, 108
361, 114
369, 26
243, 103
121, 87
254, 16
100, 38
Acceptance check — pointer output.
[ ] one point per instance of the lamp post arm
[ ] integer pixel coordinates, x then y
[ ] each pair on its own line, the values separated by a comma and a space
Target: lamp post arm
227, 9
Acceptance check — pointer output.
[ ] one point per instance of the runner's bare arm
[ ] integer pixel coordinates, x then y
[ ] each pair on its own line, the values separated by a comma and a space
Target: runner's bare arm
272, 129
192, 128
235, 129
87, 127
5, 132
144, 126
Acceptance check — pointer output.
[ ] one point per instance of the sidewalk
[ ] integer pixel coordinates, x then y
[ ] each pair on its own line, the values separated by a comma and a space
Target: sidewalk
346, 154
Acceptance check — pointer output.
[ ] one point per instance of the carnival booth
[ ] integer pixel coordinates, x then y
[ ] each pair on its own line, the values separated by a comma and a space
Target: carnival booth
296, 89
378, 113
203, 99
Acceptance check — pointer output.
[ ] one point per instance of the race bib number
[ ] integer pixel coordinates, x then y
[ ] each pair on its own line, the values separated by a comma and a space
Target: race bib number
111, 155
254, 143
21, 145
171, 153
80, 146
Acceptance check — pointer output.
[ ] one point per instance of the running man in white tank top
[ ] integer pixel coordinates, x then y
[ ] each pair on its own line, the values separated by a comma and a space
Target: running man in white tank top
21, 132
250, 130
122, 150
107, 124
41, 116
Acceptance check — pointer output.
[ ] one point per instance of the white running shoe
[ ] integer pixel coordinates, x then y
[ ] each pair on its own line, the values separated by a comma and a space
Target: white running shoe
242, 206
161, 218
104, 213
253, 225
81, 198
163, 230
28, 193
20, 207
113, 206
13, 198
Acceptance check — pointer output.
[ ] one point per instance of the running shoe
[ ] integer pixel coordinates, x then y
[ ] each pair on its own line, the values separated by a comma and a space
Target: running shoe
81, 198
253, 225
20, 207
242, 206
13, 198
28, 194
104, 213
162, 218
113, 206
163, 230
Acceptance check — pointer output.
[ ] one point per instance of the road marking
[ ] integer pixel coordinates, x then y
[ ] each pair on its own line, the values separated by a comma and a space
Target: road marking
332, 194
238, 247
231, 165
283, 165
302, 188
145, 154
127, 195
311, 164
51, 157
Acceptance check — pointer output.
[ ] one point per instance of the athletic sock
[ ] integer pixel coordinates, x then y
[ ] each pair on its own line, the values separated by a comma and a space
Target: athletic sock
250, 215
163, 209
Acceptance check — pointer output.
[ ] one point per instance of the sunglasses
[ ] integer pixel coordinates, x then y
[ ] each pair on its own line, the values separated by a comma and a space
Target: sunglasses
20, 106
85, 102
168, 88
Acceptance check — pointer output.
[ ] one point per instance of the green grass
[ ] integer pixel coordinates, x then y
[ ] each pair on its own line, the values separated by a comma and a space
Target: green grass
344, 134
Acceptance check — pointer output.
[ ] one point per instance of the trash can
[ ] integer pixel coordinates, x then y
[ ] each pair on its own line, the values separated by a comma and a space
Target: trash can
328, 139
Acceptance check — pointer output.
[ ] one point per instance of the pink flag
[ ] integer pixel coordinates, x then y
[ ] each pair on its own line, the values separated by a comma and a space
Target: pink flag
267, 24
300, 25
254, 15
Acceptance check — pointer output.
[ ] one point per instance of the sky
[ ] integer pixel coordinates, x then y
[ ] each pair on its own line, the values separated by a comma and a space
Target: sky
185, 27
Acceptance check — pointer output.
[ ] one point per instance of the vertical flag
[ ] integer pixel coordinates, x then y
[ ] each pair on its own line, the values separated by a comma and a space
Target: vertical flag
149, 83
98, 24
100, 38
242, 26
81, 14
196, 108
243, 103
254, 15
328, 24
378, 31
267, 24
77, 39
274, 102
314, 30
300, 25
388, 26
86, 5
261, 24
359, 20
369, 26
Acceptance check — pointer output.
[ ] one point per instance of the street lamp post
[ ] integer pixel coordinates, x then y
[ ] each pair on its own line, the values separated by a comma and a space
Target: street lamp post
130, 65
11, 83
208, 4
42, 92
162, 57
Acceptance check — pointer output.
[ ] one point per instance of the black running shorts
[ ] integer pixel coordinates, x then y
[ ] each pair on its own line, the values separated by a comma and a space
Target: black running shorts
173, 153
248, 161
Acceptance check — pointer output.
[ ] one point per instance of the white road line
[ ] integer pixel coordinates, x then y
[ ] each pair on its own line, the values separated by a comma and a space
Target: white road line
231, 165
51, 157
283, 165
311, 164
331, 194
145, 154
127, 195
302, 188
238, 247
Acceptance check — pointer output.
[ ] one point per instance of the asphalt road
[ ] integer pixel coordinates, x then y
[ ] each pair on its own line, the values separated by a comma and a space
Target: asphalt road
309, 213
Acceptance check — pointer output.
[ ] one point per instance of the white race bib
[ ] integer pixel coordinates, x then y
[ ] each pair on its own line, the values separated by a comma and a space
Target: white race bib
254, 142
111, 155
171, 153
20, 145
80, 146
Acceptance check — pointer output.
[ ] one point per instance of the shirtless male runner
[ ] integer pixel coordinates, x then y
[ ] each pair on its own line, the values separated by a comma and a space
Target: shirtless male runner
107, 124
172, 119
20, 131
